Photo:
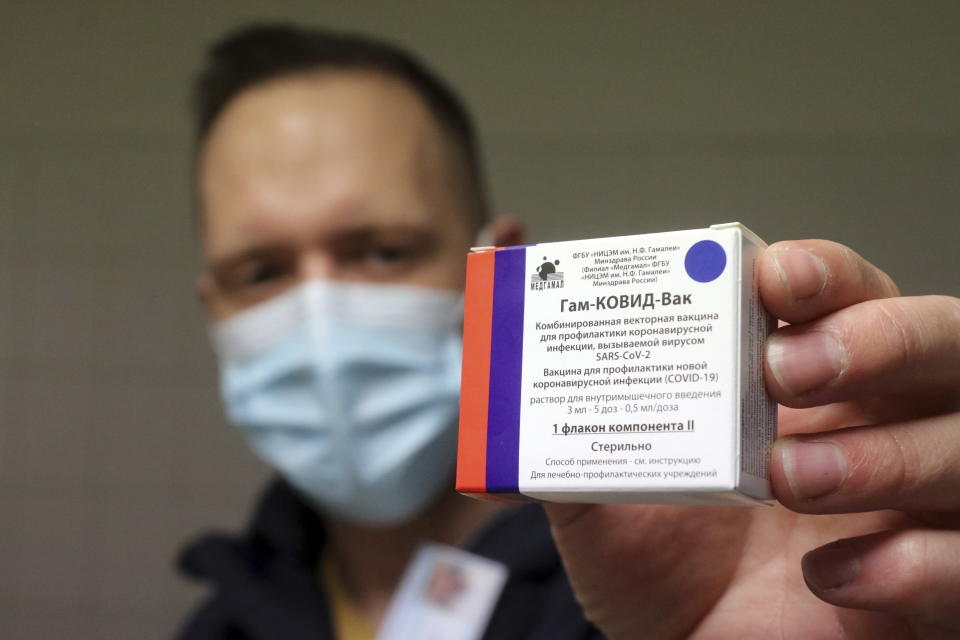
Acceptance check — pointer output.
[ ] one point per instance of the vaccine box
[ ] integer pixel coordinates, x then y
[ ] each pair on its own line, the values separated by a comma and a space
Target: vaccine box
617, 370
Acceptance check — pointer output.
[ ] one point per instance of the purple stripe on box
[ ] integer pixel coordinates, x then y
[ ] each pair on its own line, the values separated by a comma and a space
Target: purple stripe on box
506, 364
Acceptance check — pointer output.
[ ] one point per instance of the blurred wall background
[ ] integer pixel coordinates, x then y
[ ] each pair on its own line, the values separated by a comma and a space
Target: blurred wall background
816, 119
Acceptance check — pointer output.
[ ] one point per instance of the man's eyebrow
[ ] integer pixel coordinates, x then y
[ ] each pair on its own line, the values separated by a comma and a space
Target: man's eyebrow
255, 252
342, 234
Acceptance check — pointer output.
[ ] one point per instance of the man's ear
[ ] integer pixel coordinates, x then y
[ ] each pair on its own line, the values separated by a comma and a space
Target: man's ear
503, 231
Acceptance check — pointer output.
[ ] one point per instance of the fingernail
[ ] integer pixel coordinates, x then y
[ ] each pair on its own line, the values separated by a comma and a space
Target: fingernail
803, 274
804, 361
830, 567
813, 469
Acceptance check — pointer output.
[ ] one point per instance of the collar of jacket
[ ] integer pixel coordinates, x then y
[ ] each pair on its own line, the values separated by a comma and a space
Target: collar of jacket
267, 576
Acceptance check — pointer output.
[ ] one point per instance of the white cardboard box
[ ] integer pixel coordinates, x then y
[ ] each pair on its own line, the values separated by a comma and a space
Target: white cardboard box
621, 370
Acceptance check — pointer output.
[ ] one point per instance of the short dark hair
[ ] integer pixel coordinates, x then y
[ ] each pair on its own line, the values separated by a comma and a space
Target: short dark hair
257, 53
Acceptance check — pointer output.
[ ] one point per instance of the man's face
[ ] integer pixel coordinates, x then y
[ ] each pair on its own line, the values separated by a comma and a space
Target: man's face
333, 175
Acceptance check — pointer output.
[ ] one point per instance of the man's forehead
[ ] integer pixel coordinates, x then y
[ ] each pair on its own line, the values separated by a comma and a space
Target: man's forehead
297, 119
321, 142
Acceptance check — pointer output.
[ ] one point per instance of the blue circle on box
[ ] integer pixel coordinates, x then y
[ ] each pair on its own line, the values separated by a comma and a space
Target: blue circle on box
705, 261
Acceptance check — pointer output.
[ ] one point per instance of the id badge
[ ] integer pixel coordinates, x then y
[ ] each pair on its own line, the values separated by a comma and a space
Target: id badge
446, 594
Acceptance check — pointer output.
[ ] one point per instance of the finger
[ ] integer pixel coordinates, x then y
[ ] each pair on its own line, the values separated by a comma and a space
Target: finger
897, 345
910, 466
804, 279
912, 572
888, 408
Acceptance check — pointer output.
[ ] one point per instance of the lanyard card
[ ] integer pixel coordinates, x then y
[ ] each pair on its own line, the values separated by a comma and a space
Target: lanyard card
445, 594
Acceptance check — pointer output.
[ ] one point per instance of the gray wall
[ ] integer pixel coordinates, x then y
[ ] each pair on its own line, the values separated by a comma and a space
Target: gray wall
835, 120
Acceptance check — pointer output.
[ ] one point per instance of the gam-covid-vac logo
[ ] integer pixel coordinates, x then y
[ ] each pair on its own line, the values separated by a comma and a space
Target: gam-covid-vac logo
546, 276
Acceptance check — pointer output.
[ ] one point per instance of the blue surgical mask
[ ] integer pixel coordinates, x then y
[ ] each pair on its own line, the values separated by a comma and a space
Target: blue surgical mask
350, 391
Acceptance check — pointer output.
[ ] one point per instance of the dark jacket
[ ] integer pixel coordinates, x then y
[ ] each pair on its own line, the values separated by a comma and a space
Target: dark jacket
266, 584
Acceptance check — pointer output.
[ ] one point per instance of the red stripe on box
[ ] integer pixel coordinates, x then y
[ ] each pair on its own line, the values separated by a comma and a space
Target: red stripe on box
475, 377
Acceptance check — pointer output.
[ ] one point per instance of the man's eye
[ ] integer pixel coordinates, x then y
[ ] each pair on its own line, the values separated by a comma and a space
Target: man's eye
389, 254
382, 255
257, 274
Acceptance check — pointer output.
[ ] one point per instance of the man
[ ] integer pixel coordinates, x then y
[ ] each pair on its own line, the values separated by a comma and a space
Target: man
339, 192
337, 200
